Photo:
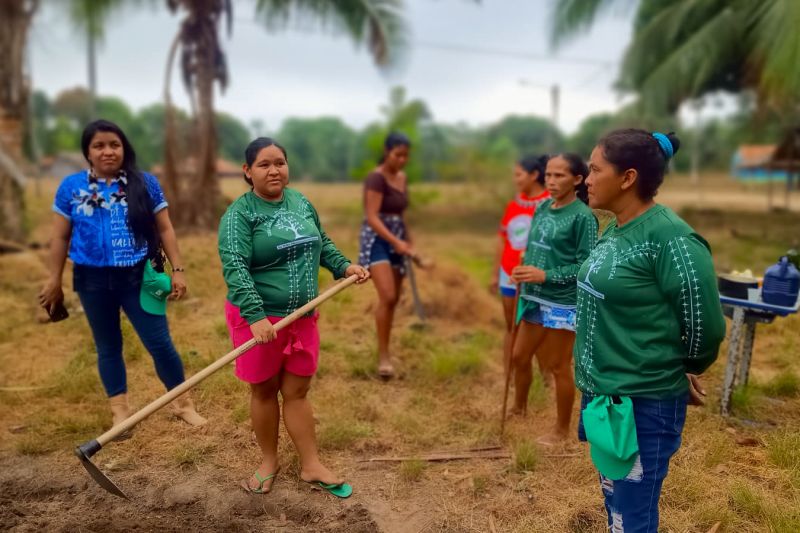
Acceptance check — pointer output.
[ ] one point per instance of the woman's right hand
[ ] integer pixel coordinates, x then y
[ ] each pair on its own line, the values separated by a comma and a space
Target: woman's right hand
51, 294
263, 331
403, 248
494, 284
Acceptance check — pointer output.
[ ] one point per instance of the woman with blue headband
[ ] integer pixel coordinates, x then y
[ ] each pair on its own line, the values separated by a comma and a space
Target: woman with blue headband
649, 320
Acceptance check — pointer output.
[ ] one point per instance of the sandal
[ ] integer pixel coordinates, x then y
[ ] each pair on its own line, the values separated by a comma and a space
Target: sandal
245, 483
342, 490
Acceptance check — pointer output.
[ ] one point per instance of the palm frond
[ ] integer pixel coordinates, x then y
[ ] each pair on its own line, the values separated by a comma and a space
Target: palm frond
92, 16
775, 43
668, 30
570, 17
693, 63
378, 23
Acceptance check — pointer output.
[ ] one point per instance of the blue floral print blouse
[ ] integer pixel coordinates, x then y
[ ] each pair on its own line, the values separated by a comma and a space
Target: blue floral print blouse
99, 216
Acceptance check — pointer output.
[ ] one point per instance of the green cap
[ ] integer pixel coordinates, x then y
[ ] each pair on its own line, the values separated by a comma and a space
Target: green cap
156, 286
611, 431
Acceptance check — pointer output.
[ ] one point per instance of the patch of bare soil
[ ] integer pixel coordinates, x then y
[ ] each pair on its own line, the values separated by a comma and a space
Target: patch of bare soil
35, 496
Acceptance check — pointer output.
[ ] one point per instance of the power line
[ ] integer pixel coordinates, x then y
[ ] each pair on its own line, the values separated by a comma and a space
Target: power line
528, 56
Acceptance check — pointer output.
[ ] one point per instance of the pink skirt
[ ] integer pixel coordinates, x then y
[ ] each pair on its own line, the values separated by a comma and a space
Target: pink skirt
296, 349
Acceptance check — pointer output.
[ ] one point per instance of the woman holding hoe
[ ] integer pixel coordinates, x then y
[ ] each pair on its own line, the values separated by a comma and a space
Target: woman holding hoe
385, 240
649, 319
563, 232
113, 220
272, 244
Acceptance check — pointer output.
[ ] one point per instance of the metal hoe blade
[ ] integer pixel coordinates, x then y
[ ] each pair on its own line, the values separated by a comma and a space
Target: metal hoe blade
414, 292
84, 452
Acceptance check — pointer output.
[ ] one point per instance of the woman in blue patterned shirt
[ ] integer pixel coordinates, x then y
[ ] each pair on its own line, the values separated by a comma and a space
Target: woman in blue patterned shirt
112, 218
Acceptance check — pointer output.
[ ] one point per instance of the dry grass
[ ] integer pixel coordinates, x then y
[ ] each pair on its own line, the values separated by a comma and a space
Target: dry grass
448, 397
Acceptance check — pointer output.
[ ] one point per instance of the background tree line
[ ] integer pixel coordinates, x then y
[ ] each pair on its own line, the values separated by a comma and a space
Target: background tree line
326, 149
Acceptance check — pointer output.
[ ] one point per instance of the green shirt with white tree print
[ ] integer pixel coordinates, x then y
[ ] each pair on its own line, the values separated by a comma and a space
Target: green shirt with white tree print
271, 253
559, 242
648, 309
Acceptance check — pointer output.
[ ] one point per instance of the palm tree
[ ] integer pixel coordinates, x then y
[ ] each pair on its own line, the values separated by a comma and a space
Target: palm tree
15, 20
89, 17
377, 22
683, 49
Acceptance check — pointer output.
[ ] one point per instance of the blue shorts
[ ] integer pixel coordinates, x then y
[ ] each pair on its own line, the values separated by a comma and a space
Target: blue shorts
507, 287
632, 503
550, 317
382, 252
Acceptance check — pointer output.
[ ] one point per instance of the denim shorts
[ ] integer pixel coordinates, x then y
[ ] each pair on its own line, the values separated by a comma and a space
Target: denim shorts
382, 252
632, 503
550, 317
507, 287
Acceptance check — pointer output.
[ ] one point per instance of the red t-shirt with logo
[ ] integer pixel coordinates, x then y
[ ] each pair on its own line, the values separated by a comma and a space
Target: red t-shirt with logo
515, 226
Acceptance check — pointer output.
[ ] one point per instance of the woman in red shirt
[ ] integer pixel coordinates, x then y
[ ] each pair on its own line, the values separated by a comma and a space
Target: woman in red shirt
514, 227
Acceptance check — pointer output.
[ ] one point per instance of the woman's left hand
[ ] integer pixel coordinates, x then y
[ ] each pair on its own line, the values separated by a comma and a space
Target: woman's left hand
358, 270
178, 286
528, 274
697, 393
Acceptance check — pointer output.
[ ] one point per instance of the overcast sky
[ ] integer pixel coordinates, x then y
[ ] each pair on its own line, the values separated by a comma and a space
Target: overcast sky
304, 72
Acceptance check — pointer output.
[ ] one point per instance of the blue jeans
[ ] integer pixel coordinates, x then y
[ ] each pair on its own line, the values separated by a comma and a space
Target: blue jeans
632, 503
103, 291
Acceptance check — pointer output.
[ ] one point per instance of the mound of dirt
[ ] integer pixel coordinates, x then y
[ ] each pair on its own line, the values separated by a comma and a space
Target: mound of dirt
449, 293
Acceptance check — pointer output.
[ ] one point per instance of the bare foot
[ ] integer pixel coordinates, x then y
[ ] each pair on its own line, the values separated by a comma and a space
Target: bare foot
552, 439
267, 467
317, 472
385, 369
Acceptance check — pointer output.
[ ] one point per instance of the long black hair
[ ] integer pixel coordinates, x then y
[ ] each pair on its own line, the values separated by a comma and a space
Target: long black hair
533, 163
255, 146
141, 219
640, 150
578, 167
392, 141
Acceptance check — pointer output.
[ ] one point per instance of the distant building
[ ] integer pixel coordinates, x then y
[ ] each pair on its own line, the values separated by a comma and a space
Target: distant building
753, 162
771, 163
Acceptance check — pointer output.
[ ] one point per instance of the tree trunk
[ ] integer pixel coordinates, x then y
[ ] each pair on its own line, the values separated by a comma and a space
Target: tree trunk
205, 200
15, 19
195, 183
170, 179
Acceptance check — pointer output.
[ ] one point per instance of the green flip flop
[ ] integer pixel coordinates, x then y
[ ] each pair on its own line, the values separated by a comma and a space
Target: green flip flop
245, 484
340, 491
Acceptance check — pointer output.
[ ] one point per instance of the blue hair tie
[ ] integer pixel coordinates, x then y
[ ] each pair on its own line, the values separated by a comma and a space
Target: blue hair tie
665, 144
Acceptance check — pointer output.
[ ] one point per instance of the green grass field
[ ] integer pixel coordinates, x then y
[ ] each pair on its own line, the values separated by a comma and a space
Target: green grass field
742, 472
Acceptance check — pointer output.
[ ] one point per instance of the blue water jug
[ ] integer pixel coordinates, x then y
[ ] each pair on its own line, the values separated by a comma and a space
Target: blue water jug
781, 284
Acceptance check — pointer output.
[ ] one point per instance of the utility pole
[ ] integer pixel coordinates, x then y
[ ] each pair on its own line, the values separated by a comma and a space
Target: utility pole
555, 101
555, 104
92, 66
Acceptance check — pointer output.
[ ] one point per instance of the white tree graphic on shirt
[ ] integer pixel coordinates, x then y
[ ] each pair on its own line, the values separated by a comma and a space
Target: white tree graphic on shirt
545, 229
594, 268
286, 220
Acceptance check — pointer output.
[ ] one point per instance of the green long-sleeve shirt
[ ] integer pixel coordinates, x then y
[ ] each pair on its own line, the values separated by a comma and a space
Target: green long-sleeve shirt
271, 253
559, 241
648, 309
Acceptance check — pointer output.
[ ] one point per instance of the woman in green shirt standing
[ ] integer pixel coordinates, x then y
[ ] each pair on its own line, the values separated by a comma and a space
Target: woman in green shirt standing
563, 231
272, 244
649, 319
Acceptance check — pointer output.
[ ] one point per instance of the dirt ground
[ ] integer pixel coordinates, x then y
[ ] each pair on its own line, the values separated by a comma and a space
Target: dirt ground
742, 472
